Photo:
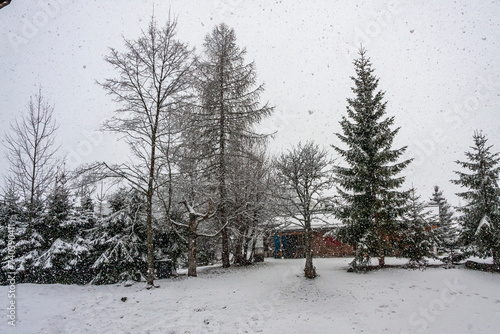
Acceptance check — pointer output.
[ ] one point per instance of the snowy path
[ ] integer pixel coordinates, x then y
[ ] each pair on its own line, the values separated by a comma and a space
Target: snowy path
271, 298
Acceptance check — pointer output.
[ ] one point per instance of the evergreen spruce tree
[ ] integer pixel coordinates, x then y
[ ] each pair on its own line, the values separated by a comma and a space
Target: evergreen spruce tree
446, 232
9, 205
58, 209
87, 204
84, 218
369, 186
28, 243
480, 219
65, 253
118, 242
417, 238
9, 209
118, 200
63, 262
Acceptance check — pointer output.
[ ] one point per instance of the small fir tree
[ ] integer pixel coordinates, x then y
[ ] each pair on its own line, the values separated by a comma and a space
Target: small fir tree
370, 198
58, 210
417, 238
27, 243
9, 205
480, 219
118, 201
87, 204
446, 231
9, 209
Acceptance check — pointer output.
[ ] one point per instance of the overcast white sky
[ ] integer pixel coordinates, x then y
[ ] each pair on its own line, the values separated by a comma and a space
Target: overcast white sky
438, 61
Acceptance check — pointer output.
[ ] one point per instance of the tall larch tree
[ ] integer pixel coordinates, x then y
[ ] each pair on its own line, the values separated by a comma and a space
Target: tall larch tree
230, 107
480, 216
370, 199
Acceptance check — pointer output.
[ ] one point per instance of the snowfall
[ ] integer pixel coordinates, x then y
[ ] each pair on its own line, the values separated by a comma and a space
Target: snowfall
270, 297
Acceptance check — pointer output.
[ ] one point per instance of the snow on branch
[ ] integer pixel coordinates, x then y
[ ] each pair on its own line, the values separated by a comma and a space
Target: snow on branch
485, 221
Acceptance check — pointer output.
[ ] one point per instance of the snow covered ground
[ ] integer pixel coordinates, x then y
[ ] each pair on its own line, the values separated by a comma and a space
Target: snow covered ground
271, 297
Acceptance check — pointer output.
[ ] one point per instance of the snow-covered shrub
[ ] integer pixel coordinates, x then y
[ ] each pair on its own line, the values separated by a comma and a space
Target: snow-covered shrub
119, 244
64, 262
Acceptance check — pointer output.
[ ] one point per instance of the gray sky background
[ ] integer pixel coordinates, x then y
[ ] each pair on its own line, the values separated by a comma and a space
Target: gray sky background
438, 61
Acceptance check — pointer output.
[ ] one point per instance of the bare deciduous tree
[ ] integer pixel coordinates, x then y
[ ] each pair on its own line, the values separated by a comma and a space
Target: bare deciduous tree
152, 85
305, 173
250, 191
31, 151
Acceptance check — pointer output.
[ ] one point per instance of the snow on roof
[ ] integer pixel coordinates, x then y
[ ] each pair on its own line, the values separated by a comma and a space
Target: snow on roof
318, 222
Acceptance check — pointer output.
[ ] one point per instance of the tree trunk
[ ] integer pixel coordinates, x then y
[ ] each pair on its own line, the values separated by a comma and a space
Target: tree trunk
223, 166
223, 198
252, 257
225, 249
266, 245
496, 259
238, 251
381, 251
32, 203
248, 238
309, 270
192, 254
381, 260
32, 191
149, 209
149, 236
